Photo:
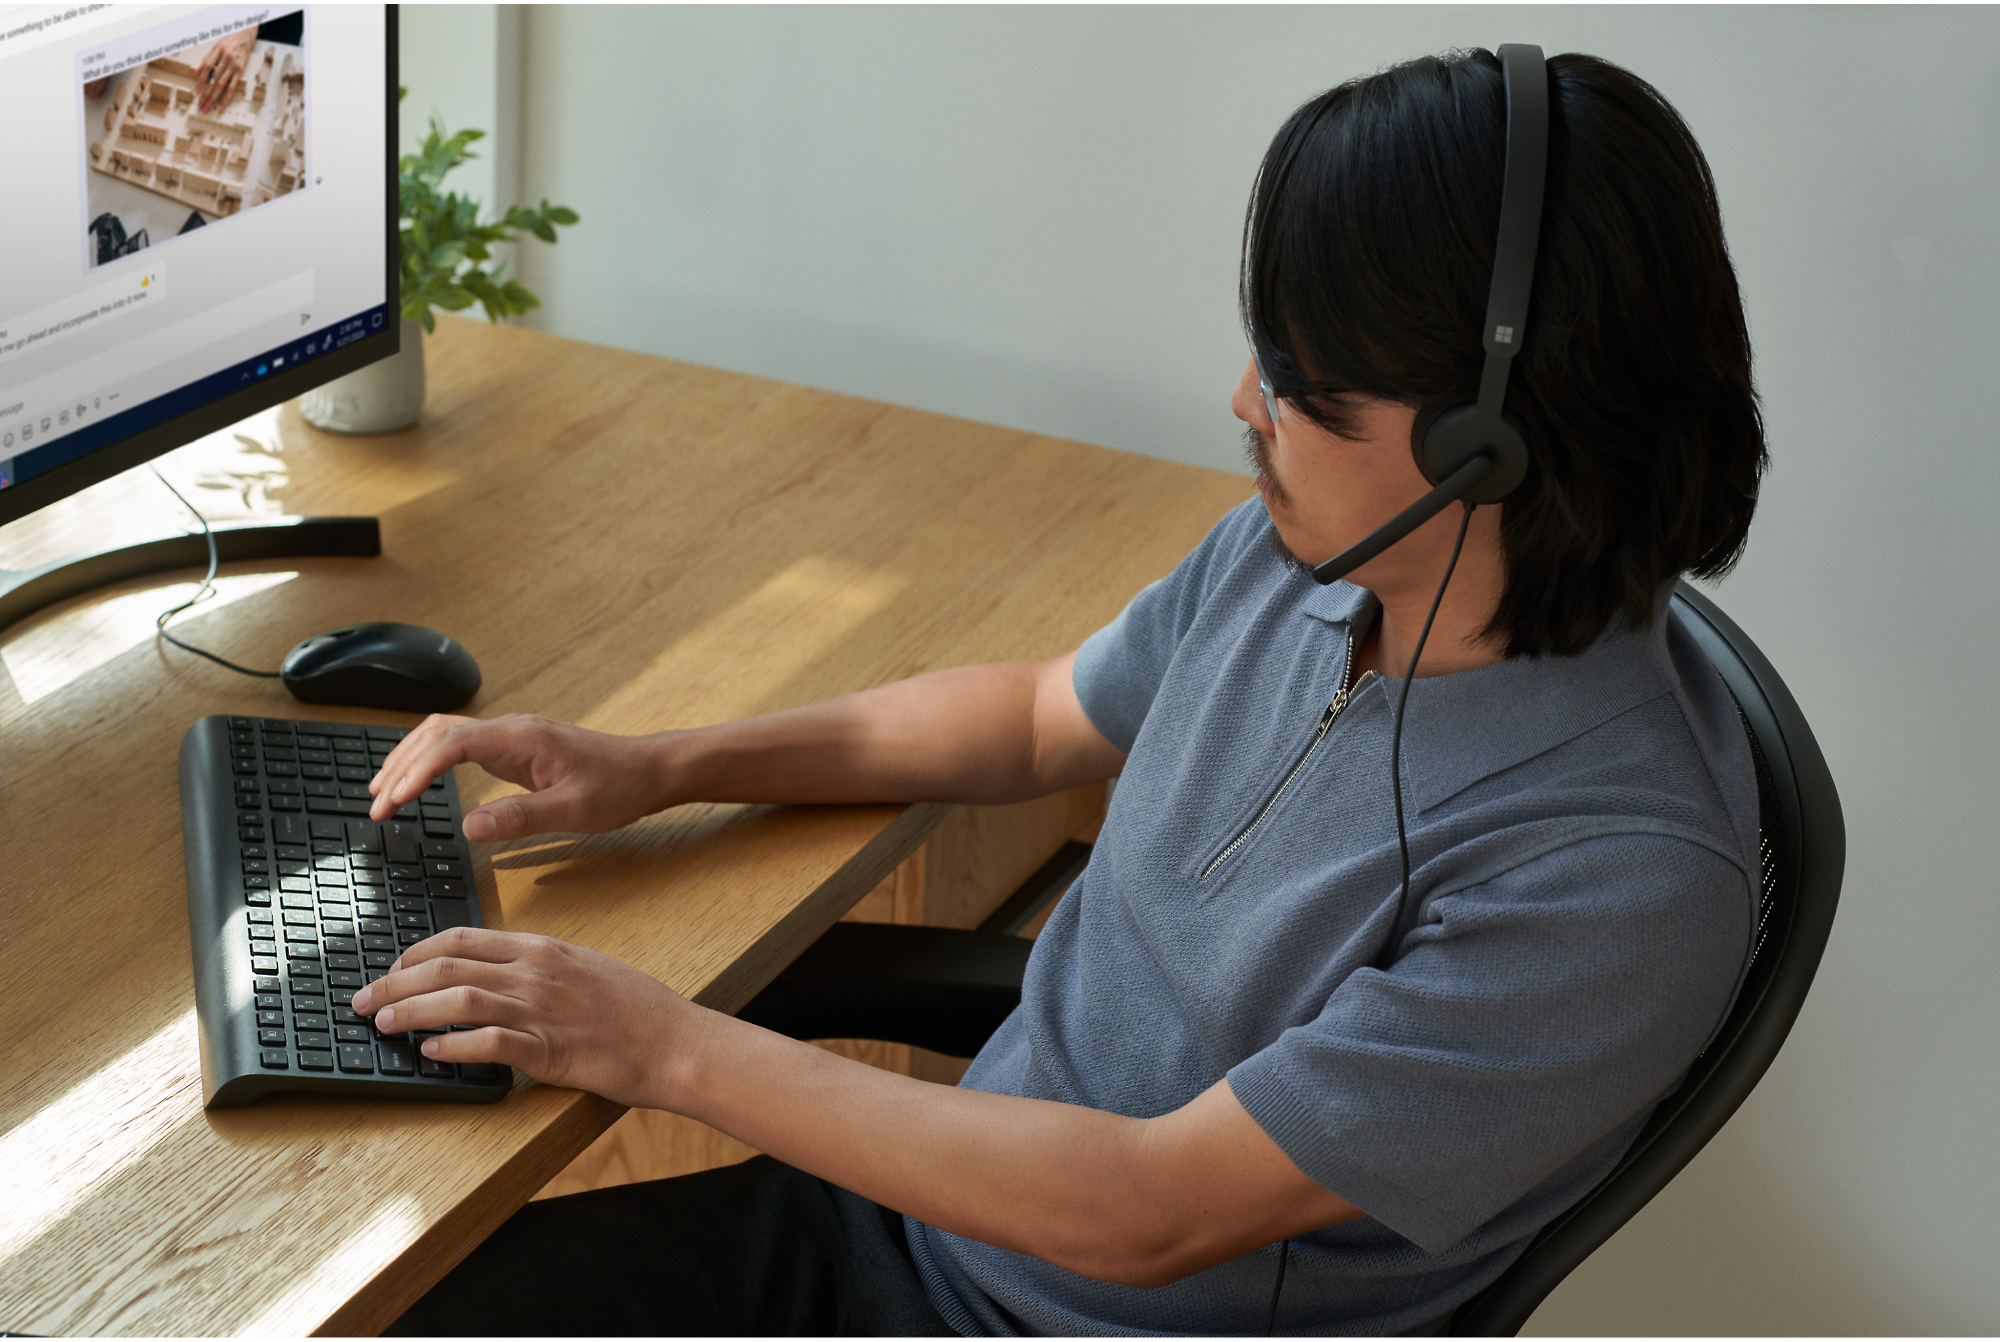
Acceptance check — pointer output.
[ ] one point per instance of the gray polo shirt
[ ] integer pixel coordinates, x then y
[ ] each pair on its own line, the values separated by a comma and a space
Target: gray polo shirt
1582, 835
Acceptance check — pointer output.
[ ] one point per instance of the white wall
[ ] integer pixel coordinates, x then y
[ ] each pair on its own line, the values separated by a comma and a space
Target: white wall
1031, 216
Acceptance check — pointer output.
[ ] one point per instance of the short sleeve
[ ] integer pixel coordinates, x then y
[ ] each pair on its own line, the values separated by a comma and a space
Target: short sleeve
1532, 1018
1119, 668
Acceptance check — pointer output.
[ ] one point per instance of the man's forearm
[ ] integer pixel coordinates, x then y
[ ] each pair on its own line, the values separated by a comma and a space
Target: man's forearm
974, 734
1102, 1195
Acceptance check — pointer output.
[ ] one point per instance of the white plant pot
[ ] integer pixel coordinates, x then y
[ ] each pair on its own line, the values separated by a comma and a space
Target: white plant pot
383, 397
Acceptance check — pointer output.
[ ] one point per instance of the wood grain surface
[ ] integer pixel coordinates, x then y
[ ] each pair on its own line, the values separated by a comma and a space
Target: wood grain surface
620, 540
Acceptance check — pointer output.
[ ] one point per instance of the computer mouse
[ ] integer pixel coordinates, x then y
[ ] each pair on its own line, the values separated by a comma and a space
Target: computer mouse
405, 667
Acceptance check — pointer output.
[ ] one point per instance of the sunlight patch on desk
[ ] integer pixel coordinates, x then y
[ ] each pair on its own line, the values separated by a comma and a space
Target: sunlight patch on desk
52, 654
392, 1229
733, 663
52, 1161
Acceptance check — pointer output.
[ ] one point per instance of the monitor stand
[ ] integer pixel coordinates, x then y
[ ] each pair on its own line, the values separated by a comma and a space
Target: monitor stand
24, 593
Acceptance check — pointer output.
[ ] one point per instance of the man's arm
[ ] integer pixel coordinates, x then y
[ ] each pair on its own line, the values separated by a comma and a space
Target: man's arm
1140, 1202
1006, 731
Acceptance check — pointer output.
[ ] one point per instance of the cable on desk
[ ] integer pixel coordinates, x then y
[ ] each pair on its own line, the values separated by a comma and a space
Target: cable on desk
202, 593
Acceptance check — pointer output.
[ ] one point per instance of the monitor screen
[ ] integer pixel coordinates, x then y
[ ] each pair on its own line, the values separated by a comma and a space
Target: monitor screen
202, 224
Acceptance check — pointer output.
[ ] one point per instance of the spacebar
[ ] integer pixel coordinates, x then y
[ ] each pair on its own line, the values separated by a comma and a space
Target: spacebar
336, 806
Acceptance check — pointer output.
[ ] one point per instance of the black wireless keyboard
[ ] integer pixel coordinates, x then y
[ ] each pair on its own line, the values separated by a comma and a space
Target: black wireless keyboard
296, 899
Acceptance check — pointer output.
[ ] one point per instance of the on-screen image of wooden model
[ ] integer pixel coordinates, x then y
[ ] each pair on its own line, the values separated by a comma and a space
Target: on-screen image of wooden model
218, 162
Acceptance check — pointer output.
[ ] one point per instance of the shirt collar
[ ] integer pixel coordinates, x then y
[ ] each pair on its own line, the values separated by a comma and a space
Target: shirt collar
1460, 728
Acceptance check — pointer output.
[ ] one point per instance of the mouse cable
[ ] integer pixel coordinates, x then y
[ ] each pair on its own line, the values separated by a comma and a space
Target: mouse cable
202, 593
1396, 738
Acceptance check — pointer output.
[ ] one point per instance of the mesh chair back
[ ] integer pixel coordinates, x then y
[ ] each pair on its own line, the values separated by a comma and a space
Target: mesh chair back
1802, 850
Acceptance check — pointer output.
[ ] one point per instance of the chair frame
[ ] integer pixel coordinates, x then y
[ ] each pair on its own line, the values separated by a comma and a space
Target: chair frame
1804, 853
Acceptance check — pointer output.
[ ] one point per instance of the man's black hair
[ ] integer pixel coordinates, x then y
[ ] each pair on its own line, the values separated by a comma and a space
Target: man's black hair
1367, 256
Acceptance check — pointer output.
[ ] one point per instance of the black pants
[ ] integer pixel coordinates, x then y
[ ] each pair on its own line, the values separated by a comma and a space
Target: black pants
753, 1249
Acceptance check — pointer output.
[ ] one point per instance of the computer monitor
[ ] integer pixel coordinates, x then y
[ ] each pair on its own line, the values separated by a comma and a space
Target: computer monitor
202, 223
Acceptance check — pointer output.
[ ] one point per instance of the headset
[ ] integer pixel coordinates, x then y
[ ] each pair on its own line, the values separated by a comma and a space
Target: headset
1476, 453
1471, 454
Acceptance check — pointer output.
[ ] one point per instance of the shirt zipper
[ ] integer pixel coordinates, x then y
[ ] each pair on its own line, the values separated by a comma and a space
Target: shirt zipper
1334, 709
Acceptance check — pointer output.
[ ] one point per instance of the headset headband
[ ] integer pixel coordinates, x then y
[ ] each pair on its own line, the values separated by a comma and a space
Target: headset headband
1520, 217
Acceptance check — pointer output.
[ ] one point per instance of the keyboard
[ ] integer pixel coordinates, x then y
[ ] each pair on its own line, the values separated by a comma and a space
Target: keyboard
296, 899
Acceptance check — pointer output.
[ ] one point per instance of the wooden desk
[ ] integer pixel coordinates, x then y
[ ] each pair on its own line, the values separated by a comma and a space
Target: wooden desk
622, 541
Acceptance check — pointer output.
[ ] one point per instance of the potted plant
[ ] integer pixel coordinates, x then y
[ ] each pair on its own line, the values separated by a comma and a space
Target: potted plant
447, 262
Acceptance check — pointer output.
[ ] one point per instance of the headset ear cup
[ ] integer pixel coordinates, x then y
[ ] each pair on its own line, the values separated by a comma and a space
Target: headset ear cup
1453, 437
1419, 430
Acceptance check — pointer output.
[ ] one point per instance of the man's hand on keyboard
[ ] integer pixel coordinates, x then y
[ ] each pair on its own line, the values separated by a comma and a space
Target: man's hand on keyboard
581, 782
565, 1015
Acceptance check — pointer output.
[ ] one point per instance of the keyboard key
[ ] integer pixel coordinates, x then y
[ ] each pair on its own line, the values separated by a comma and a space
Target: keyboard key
415, 888
255, 853
270, 1001
413, 920
353, 1034
370, 908
449, 889
387, 943
432, 1067
263, 965
337, 806
310, 1003
325, 847
396, 1057
297, 901
410, 903
271, 1036
312, 742
305, 1021
271, 1018
301, 918
288, 829
261, 898
330, 862
308, 934
451, 913
356, 792
299, 884
406, 871
356, 1058
337, 945
440, 829
479, 1071
316, 1062
325, 829
338, 878
449, 870
368, 878
336, 927
410, 936
347, 1016
346, 979
256, 868
353, 773
246, 785
315, 1040
261, 918
275, 1059
307, 976
377, 927
262, 948
399, 842
364, 836
267, 985
358, 860
378, 959
242, 752
343, 961
279, 769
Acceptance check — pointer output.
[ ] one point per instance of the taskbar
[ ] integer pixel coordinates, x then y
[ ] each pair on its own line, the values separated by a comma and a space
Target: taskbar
23, 455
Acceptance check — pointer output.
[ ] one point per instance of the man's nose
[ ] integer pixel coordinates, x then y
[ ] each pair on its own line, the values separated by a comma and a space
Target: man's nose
1247, 401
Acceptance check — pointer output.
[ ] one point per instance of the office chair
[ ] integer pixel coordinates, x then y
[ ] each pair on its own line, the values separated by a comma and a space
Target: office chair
947, 990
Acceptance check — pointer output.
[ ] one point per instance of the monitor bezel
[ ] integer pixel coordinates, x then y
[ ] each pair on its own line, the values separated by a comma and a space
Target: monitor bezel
59, 482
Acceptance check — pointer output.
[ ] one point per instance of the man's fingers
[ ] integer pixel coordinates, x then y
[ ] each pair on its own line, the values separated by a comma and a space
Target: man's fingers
417, 760
465, 1004
493, 1043
558, 809
459, 955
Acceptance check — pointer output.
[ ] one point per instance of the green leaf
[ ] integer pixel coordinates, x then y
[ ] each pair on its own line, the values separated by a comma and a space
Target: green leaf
545, 231
561, 214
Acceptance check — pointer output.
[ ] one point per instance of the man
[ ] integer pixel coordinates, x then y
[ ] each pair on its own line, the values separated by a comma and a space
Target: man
1249, 1087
